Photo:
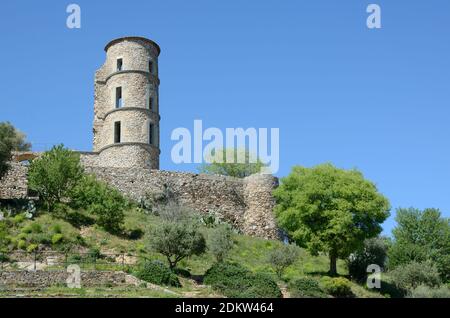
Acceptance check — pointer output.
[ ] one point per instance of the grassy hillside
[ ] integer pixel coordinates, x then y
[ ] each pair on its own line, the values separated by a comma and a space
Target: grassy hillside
43, 232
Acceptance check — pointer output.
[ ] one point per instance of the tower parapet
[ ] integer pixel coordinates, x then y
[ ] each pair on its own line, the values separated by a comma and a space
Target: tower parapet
126, 106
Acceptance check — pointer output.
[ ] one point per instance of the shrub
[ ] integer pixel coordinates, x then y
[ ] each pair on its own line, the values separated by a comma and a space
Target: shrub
235, 281
19, 218
306, 287
98, 198
32, 247
177, 240
283, 257
424, 291
411, 275
21, 244
221, 242
57, 238
54, 173
157, 273
10, 139
336, 286
374, 251
32, 228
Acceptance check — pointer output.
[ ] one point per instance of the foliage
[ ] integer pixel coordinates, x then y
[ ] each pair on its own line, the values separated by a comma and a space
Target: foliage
410, 276
235, 281
157, 273
232, 162
336, 286
10, 140
326, 209
421, 236
177, 240
424, 291
283, 257
374, 251
98, 198
221, 242
306, 287
54, 174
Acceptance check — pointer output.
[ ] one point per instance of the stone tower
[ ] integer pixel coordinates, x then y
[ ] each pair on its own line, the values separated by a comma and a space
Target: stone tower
126, 106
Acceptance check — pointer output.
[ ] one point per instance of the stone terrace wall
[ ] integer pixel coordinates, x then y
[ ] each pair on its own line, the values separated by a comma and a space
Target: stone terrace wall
42, 279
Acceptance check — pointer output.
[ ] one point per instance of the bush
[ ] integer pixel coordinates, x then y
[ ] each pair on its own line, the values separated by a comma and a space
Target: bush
54, 173
374, 251
32, 247
32, 228
235, 281
306, 287
57, 238
98, 198
157, 273
283, 257
177, 240
410, 276
221, 242
336, 286
21, 244
10, 139
424, 291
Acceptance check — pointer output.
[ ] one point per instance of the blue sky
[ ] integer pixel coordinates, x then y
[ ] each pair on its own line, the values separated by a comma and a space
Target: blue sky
377, 100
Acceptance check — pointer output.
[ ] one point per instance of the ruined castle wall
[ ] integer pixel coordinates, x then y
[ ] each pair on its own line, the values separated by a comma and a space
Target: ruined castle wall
14, 185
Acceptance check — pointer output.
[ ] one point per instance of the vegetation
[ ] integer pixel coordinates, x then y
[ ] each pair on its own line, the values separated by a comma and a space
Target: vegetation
306, 287
330, 210
232, 162
54, 174
157, 273
283, 257
374, 251
414, 274
10, 140
421, 236
177, 240
235, 281
336, 286
221, 242
424, 291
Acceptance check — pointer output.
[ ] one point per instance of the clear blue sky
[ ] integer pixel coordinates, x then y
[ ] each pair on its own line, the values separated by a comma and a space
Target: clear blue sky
377, 100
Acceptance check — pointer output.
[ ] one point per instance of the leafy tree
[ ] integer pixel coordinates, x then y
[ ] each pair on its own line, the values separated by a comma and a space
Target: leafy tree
326, 209
10, 140
54, 174
221, 242
177, 240
98, 198
421, 236
241, 165
374, 251
283, 257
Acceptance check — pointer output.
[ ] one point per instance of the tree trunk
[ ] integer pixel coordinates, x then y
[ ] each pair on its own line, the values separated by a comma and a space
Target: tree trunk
333, 267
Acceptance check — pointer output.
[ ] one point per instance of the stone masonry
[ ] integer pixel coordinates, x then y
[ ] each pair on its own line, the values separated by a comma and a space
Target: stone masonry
128, 158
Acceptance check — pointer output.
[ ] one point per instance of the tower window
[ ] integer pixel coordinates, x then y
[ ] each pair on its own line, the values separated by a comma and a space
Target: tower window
150, 67
118, 97
151, 103
117, 132
151, 134
119, 65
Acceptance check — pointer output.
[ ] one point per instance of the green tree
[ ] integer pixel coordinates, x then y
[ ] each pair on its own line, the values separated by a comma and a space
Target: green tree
240, 166
98, 198
221, 242
177, 240
327, 209
54, 174
10, 140
421, 236
283, 257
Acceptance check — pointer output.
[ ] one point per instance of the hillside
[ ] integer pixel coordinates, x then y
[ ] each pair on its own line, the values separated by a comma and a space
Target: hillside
95, 249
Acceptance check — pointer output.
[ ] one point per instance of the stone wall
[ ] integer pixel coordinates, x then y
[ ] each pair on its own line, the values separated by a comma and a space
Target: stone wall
14, 185
246, 203
43, 279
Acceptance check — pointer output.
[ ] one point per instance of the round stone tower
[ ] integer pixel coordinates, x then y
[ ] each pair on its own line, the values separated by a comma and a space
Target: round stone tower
126, 106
